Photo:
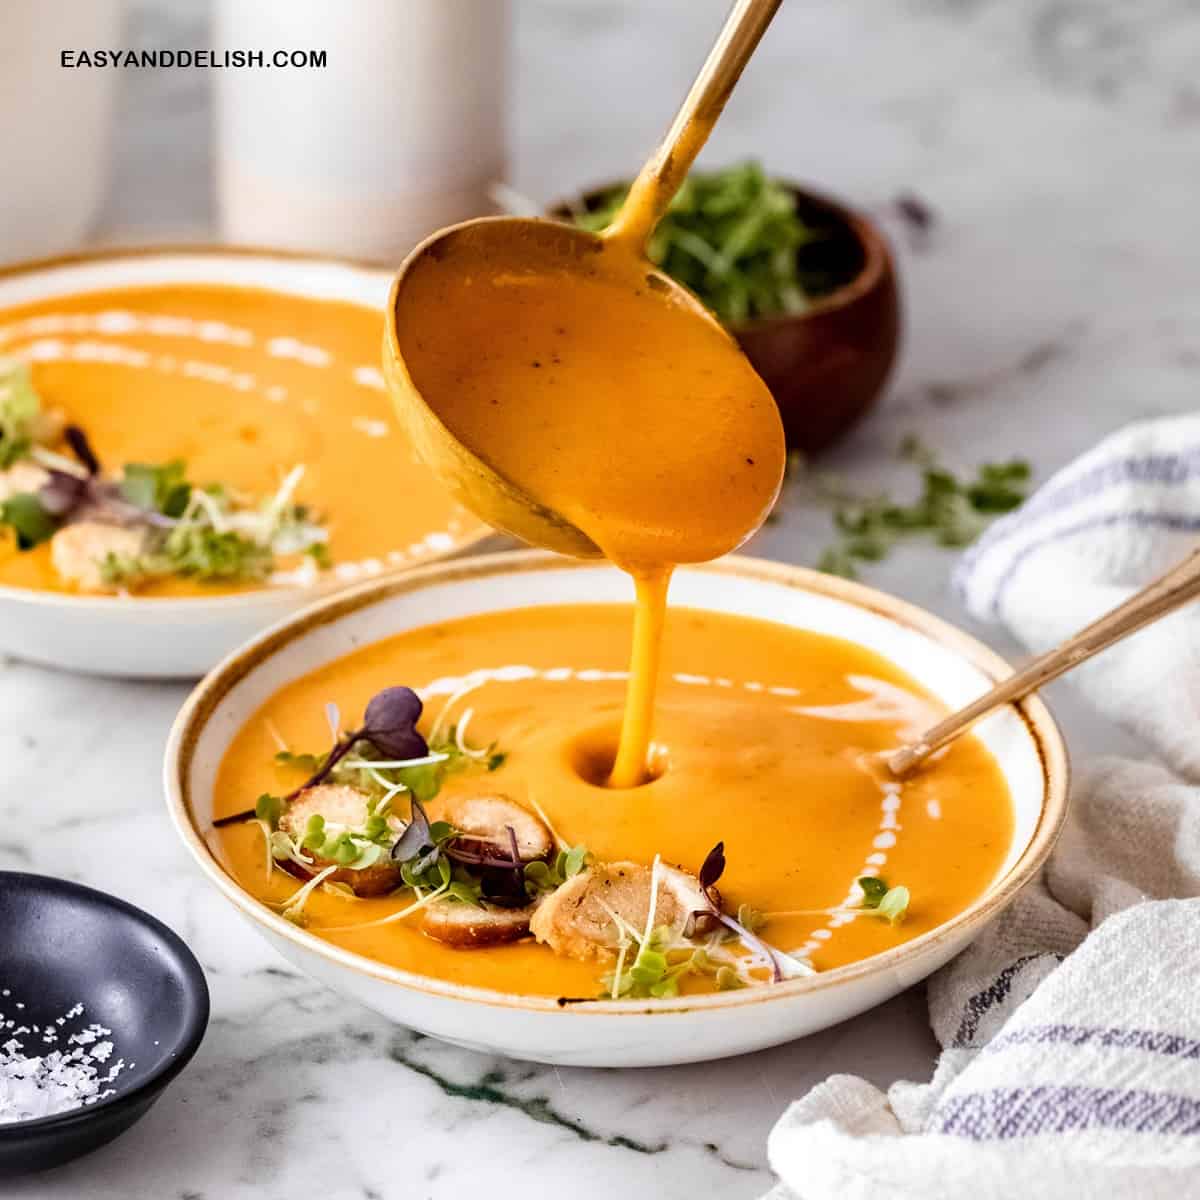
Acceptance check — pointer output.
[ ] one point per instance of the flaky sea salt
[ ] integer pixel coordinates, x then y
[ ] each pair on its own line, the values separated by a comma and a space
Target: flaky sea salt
59, 1079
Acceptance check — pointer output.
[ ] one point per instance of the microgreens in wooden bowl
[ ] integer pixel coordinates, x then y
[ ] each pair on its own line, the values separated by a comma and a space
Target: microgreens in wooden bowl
805, 284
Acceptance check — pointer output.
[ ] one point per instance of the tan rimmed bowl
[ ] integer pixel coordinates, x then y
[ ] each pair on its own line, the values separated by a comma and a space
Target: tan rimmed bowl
183, 637
955, 668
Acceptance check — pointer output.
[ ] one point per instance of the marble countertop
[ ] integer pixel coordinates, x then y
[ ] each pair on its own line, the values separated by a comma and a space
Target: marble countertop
1048, 303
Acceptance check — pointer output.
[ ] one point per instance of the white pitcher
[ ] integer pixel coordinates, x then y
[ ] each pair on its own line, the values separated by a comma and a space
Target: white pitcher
400, 133
55, 123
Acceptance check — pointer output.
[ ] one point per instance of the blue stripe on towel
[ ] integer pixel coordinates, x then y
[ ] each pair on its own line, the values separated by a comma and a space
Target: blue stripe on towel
1176, 522
984, 1001
1153, 1041
1168, 470
1013, 1112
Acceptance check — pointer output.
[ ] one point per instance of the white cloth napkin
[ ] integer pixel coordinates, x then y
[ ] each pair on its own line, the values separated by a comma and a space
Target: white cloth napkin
1071, 1027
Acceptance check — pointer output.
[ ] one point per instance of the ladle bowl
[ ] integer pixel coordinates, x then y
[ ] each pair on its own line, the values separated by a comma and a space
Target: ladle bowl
546, 246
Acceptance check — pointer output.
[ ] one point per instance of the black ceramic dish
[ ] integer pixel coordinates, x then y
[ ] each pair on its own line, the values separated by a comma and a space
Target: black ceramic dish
62, 944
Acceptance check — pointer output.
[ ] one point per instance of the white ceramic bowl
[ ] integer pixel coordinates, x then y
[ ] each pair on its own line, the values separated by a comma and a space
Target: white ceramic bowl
1023, 738
161, 637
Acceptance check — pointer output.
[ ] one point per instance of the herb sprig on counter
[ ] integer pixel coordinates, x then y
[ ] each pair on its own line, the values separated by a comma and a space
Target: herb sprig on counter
949, 510
733, 237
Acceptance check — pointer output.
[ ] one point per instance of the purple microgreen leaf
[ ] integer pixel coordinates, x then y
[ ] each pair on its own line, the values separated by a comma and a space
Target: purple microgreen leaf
518, 869
503, 883
82, 448
712, 870
472, 852
873, 889
63, 493
415, 838
390, 724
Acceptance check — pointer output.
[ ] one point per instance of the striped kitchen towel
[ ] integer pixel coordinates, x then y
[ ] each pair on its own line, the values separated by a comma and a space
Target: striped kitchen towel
1071, 1027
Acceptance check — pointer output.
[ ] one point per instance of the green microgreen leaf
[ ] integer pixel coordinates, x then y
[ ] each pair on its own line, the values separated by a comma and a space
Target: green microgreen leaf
894, 905
28, 519
319, 553
269, 808
750, 918
890, 903
202, 552
545, 877
163, 489
728, 979
20, 407
309, 763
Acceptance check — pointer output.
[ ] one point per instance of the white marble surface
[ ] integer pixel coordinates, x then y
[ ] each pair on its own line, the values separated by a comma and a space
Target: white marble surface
1053, 300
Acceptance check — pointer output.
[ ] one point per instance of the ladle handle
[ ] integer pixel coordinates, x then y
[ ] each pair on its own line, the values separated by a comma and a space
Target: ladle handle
1167, 593
667, 168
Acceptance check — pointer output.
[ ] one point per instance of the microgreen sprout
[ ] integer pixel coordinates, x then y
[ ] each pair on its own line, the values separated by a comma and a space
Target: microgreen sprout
293, 908
890, 903
423, 900
662, 957
567, 862
19, 409
389, 722
878, 900
31, 524
781, 965
207, 532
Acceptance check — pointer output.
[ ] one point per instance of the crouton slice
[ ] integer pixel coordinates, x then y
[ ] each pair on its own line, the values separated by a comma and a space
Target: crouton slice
78, 552
21, 477
576, 920
467, 926
487, 818
342, 808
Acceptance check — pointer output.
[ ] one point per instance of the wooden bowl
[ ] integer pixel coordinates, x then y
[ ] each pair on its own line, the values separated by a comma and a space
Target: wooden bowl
827, 365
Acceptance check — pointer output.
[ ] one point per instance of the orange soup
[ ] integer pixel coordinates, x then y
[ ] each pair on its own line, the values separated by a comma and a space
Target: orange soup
243, 387
763, 743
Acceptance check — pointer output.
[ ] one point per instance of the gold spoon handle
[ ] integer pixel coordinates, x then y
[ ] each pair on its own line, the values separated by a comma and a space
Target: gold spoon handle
667, 168
1167, 593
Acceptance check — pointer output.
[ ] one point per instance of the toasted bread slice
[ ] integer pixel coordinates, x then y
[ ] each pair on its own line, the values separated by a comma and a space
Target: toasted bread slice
78, 552
467, 926
487, 819
20, 478
576, 920
343, 808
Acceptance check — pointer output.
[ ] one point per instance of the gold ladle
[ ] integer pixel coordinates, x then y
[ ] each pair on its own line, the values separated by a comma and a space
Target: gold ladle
1167, 593
559, 247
